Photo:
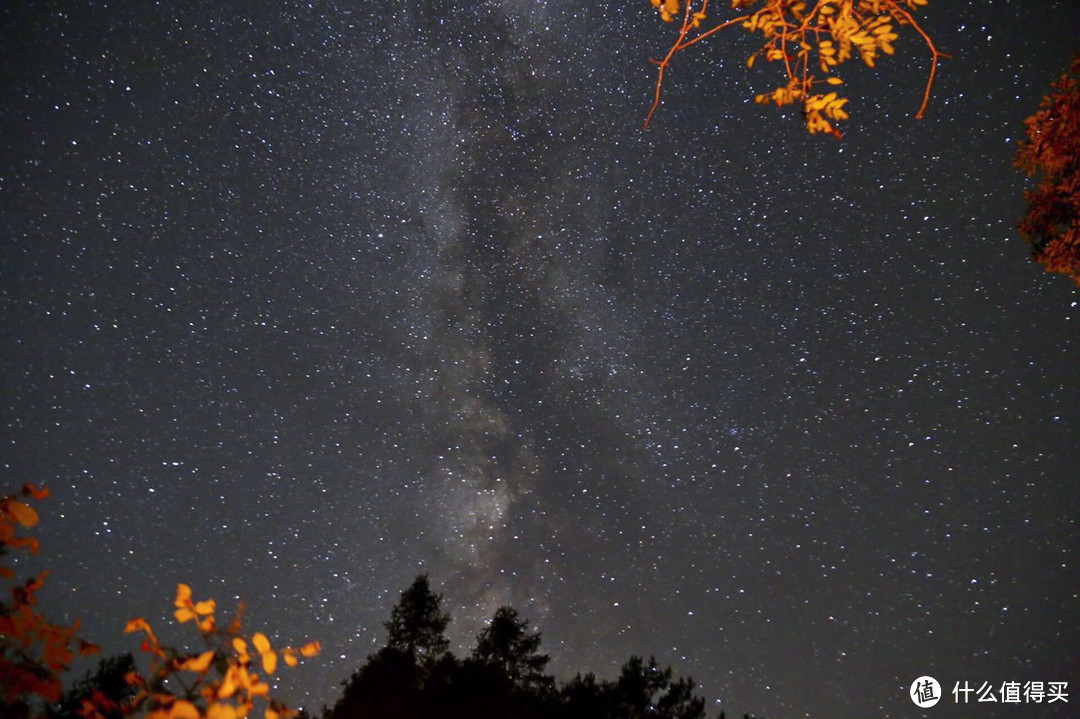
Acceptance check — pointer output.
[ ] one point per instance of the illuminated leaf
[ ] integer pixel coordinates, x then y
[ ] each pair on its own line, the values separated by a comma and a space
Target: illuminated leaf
310, 649
269, 662
24, 514
198, 664
137, 625
219, 710
29, 490
269, 658
183, 710
262, 644
229, 684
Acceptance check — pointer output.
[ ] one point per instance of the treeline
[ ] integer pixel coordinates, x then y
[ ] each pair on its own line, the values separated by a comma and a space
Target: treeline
415, 677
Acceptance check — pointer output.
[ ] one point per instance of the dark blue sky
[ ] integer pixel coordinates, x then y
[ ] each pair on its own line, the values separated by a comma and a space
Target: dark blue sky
303, 299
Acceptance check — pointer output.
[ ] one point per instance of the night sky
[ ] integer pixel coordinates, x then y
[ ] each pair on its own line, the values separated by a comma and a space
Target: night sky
300, 300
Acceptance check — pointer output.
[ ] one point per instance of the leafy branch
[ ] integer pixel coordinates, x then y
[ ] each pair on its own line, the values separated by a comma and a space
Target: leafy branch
820, 38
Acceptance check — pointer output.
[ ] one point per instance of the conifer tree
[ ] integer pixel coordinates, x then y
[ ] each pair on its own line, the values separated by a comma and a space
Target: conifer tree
418, 624
508, 645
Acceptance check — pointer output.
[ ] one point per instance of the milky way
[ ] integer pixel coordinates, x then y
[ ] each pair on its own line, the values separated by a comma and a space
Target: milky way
303, 300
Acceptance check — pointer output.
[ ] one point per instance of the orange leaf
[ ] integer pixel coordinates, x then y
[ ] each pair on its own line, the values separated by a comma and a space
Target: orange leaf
197, 664
269, 658
241, 650
262, 644
218, 710
183, 710
29, 490
228, 684
24, 514
269, 662
135, 625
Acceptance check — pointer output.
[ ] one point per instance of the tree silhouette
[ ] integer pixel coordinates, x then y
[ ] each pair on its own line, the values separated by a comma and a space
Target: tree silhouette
1052, 221
417, 623
107, 690
583, 697
396, 680
507, 645
388, 684
648, 691
503, 677
642, 691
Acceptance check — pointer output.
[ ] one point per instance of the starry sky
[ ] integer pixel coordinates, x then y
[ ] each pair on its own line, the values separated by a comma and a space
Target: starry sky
300, 300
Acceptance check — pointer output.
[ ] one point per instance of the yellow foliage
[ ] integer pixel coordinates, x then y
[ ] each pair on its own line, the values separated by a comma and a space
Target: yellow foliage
228, 692
667, 9
179, 710
269, 658
820, 36
186, 610
34, 653
197, 664
218, 710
